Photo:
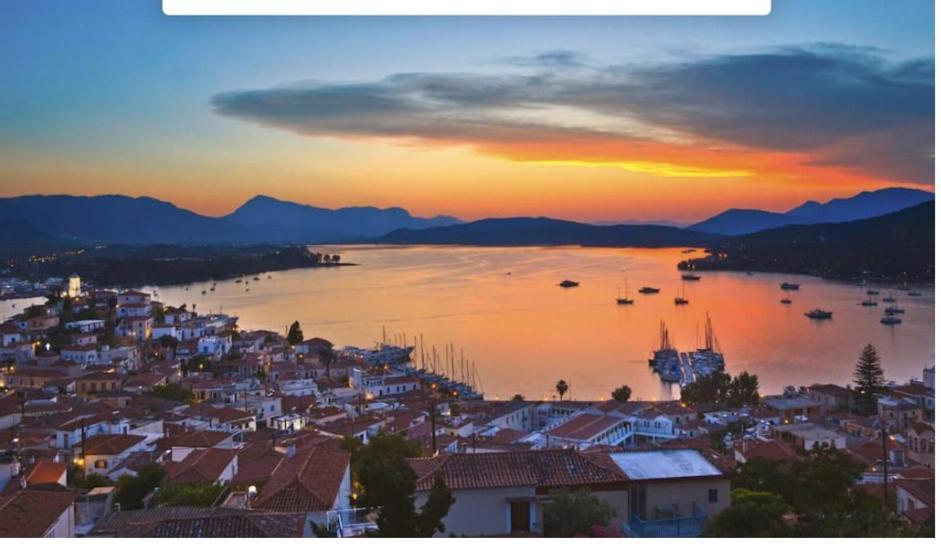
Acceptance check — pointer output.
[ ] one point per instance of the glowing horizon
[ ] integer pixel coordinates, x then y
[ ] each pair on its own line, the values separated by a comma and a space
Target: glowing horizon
589, 120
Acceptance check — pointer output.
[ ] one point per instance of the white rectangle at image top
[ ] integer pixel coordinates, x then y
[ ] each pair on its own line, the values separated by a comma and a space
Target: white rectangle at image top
468, 7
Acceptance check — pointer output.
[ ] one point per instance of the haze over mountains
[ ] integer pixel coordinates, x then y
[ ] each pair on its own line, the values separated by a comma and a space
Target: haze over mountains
735, 222
62, 221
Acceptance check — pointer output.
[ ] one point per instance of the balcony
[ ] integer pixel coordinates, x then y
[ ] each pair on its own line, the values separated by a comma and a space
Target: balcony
353, 522
678, 527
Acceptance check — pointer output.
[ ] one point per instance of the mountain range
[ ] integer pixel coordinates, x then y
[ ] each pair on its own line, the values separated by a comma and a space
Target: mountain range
118, 219
736, 222
40, 223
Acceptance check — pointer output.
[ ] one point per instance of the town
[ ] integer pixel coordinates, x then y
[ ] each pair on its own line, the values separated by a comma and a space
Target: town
121, 416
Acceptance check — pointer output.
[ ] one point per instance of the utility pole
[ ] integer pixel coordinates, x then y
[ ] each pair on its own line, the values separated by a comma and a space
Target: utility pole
885, 466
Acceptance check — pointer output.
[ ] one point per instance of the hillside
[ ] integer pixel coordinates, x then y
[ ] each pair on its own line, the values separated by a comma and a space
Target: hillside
546, 231
735, 222
894, 247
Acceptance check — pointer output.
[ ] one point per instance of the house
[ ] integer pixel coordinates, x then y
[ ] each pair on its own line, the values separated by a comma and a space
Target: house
80, 354
501, 493
139, 328
47, 472
585, 430
831, 396
210, 465
809, 436
95, 382
914, 499
188, 442
311, 479
898, 413
791, 405
919, 440
31, 513
85, 326
102, 453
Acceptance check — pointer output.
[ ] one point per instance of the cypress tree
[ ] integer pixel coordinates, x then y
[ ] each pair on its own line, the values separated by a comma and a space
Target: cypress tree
869, 379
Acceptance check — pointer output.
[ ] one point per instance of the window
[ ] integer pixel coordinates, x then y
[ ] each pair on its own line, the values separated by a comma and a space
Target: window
101, 464
713, 496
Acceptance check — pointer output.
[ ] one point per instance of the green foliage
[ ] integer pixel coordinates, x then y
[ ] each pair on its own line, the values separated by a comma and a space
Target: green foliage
869, 379
751, 514
569, 514
188, 494
381, 469
168, 341
819, 488
561, 387
93, 480
720, 387
172, 392
622, 394
295, 334
518, 398
131, 491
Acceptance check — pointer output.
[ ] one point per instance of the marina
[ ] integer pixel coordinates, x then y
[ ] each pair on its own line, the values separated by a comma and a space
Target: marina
525, 334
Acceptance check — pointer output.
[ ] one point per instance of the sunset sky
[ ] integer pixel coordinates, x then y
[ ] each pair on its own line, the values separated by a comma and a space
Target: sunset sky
583, 118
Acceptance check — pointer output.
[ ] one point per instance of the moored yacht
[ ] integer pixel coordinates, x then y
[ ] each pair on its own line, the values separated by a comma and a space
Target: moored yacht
819, 314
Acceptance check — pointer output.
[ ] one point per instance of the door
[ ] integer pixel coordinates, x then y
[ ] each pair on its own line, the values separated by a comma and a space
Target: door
519, 515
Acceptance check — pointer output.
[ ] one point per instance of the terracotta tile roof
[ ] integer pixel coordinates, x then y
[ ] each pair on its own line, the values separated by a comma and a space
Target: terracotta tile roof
920, 515
200, 466
535, 468
200, 439
767, 450
307, 482
585, 426
195, 522
922, 489
257, 462
110, 444
46, 471
30, 513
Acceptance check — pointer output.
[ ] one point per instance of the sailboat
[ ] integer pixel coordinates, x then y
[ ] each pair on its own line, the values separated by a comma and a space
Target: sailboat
869, 302
787, 298
681, 299
624, 299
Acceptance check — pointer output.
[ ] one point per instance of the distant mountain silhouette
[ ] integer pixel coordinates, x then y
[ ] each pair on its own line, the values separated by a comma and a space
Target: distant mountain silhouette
734, 222
285, 221
898, 246
546, 231
118, 219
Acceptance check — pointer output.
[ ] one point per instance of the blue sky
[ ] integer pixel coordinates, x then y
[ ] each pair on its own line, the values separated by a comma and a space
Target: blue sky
93, 89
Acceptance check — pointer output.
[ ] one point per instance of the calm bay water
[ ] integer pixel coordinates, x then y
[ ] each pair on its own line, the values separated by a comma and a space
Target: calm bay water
503, 307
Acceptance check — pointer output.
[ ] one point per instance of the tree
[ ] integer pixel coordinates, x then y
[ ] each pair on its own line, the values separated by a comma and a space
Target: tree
751, 514
169, 342
188, 494
172, 392
518, 398
131, 491
743, 390
621, 394
869, 379
295, 334
561, 388
568, 514
388, 482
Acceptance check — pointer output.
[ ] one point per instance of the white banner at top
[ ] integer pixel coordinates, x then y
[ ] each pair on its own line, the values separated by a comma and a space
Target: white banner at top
467, 7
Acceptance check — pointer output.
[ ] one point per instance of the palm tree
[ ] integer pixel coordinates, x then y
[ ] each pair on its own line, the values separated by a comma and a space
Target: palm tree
562, 388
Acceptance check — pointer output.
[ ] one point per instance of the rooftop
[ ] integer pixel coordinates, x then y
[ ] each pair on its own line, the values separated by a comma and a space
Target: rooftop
664, 464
